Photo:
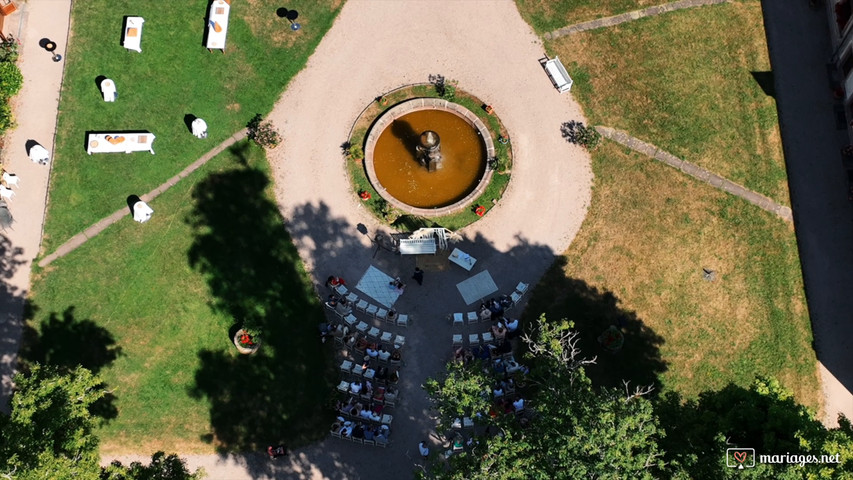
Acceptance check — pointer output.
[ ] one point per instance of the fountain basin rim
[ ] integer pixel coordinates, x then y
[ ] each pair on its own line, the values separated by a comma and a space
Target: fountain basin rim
416, 105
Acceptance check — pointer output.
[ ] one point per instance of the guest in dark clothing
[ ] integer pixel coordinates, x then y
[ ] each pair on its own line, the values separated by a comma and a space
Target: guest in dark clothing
418, 276
358, 431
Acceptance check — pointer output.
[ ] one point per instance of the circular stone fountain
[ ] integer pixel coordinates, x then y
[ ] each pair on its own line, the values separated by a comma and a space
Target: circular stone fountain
428, 156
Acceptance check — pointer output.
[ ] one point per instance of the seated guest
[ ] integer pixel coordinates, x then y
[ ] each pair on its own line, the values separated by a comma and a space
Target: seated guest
369, 433
503, 347
380, 394
355, 387
358, 431
371, 352
390, 395
499, 331
368, 387
512, 325
459, 355
485, 313
347, 429
381, 373
498, 391
505, 302
392, 315
395, 357
512, 366
394, 377
383, 354
518, 404
381, 436
336, 427
365, 414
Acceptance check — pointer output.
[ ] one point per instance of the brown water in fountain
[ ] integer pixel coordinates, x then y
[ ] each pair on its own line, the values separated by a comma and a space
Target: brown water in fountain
397, 169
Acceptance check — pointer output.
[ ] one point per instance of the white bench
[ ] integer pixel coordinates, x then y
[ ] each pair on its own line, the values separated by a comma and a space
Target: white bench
120, 142
558, 74
417, 246
132, 38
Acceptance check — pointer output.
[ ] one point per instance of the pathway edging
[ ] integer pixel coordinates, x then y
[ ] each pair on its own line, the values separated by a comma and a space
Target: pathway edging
103, 223
697, 172
628, 17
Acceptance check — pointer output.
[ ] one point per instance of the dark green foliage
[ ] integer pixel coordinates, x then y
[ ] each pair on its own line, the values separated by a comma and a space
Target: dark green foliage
162, 467
263, 133
580, 134
8, 49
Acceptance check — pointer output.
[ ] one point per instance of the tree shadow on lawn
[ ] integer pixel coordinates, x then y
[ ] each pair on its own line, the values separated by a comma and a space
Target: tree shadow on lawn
65, 342
252, 269
593, 311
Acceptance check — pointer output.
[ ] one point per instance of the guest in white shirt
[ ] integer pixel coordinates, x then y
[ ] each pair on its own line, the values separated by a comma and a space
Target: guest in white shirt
383, 354
518, 404
355, 387
512, 325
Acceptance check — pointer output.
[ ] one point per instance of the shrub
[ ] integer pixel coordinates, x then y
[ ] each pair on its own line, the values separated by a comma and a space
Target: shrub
8, 49
263, 133
11, 80
355, 152
6, 120
580, 134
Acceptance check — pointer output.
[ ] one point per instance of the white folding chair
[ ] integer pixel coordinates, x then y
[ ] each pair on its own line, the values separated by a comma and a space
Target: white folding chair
350, 319
387, 419
487, 337
473, 318
386, 337
458, 320
357, 370
361, 327
521, 287
6, 192
11, 179
341, 290
346, 366
381, 314
402, 320
374, 332
371, 310
361, 305
343, 386
369, 373
473, 339
352, 297
399, 341
515, 297
457, 340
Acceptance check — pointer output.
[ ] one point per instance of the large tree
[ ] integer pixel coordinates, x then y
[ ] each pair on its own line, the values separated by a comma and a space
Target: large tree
569, 429
48, 433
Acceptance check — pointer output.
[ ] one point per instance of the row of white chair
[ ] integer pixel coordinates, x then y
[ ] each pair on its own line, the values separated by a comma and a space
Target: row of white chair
474, 339
375, 311
384, 337
458, 319
360, 440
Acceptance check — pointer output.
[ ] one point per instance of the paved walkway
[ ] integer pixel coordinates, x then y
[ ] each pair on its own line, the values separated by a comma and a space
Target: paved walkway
628, 17
696, 172
798, 41
36, 108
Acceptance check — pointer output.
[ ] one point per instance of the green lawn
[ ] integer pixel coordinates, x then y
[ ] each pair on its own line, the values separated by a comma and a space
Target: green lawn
172, 77
167, 293
639, 257
697, 99
548, 15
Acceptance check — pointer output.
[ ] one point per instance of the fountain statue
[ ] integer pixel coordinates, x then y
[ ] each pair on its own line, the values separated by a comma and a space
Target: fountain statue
429, 151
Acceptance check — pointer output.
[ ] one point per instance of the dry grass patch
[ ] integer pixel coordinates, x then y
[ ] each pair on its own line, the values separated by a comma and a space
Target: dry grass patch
649, 233
685, 82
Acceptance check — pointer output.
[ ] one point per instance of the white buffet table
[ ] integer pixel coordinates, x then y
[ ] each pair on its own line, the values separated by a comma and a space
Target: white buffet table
106, 142
217, 25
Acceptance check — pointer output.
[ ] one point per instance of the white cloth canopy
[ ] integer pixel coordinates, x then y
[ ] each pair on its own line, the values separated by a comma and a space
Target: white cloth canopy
199, 127
39, 154
142, 212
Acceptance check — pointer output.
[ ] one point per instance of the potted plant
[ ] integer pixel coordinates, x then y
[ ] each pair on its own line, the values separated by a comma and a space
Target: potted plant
248, 338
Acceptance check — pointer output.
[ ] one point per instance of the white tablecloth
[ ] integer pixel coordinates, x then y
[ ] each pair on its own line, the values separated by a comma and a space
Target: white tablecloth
120, 142
219, 11
133, 34
142, 212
